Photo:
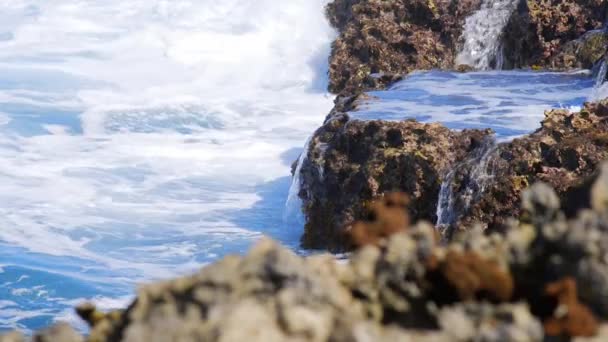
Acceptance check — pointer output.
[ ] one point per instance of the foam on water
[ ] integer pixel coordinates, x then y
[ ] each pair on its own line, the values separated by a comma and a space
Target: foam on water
140, 139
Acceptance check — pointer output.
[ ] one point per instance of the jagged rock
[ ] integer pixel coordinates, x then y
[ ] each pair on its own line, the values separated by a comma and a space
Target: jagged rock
570, 317
380, 39
563, 153
351, 162
546, 33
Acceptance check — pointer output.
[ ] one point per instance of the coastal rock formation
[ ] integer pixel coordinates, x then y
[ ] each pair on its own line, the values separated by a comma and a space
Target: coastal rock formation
350, 162
380, 40
563, 153
547, 34
546, 276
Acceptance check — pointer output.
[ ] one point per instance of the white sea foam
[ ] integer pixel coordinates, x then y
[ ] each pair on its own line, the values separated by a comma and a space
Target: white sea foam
143, 138
482, 34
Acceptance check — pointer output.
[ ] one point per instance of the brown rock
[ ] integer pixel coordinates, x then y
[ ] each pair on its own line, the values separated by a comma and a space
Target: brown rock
570, 317
381, 39
473, 277
563, 153
385, 217
351, 162
545, 33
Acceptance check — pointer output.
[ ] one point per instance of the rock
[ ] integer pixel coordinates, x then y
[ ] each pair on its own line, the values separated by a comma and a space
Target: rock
269, 295
473, 277
546, 33
384, 218
484, 322
410, 287
582, 53
381, 40
12, 337
60, 332
351, 162
563, 153
570, 318
599, 192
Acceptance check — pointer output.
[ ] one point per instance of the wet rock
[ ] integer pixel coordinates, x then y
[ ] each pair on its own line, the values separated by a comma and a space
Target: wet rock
349, 163
563, 153
380, 40
547, 33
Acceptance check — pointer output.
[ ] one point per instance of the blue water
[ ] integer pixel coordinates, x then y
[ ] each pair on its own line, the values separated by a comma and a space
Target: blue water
135, 147
512, 103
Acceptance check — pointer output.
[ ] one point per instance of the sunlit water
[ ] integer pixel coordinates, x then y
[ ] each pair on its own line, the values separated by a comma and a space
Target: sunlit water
512, 103
141, 139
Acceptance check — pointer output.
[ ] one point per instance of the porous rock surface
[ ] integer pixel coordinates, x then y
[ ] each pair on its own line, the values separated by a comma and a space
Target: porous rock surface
552, 34
564, 152
350, 162
382, 39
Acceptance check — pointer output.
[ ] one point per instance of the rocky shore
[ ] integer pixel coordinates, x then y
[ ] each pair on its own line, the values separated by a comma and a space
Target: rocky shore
543, 278
350, 162
381, 41
454, 237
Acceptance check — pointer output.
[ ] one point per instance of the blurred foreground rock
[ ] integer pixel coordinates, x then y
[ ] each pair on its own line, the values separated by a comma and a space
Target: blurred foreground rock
545, 277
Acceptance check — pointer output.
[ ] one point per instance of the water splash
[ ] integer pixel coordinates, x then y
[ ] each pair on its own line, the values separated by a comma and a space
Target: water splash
474, 173
482, 33
293, 204
600, 89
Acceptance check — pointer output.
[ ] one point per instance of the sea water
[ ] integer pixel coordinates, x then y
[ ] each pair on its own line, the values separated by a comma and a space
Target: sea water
142, 139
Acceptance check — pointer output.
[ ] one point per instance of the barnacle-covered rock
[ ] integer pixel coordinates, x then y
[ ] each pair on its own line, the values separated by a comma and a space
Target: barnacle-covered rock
381, 39
546, 33
563, 153
351, 162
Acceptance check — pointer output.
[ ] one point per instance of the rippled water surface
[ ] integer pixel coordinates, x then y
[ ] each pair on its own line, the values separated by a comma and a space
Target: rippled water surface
140, 139
512, 103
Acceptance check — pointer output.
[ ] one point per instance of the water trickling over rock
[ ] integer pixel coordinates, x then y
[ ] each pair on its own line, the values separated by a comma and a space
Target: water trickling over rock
600, 90
482, 47
293, 204
469, 178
